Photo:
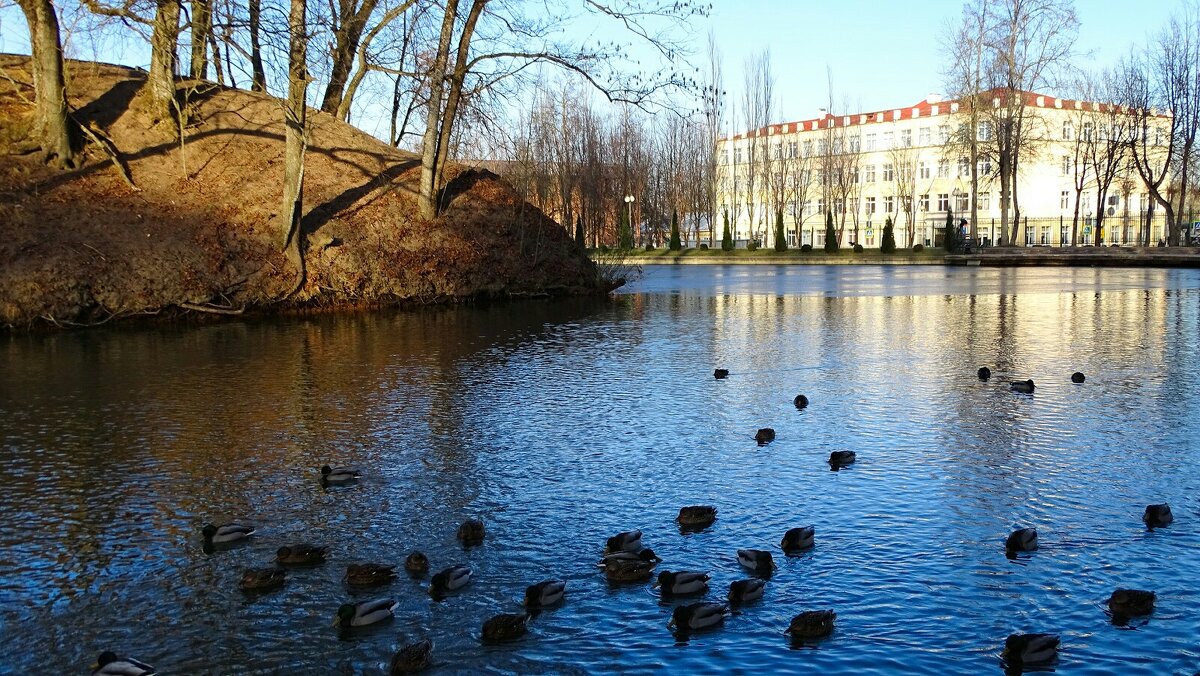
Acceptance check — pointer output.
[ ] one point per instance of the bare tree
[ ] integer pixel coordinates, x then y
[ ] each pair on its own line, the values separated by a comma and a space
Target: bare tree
295, 134
53, 127
758, 91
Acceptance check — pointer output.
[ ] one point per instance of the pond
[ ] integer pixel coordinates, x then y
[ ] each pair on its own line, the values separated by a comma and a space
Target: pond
561, 424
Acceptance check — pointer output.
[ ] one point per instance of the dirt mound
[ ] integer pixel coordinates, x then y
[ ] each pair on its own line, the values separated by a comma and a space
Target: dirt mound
198, 232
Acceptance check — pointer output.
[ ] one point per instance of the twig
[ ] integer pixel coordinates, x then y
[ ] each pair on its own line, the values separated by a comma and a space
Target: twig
212, 309
109, 149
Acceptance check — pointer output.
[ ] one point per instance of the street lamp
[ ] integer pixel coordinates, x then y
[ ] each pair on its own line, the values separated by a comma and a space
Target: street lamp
629, 200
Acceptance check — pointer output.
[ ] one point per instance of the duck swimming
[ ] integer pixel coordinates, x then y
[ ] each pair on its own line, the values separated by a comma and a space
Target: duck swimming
842, 458
646, 555
108, 664
812, 624
697, 516
1022, 540
800, 401
505, 627
628, 570
412, 658
742, 591
338, 475
226, 533
450, 579
369, 574
416, 563
629, 541
757, 560
1021, 386
984, 373
721, 374
362, 614
262, 579
1131, 603
1078, 377
680, 583
1158, 516
1021, 650
764, 436
470, 533
545, 593
798, 539
302, 554
698, 616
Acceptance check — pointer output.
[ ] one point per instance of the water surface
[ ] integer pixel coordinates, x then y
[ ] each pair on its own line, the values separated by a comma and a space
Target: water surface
561, 424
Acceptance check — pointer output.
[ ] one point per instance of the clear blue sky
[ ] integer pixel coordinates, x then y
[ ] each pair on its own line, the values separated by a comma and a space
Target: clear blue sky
886, 53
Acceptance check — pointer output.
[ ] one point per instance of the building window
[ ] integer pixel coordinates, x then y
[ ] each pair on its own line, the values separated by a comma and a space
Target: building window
808, 207
964, 168
791, 149
943, 201
985, 131
1066, 165
889, 204
870, 142
822, 147
1064, 200
1068, 130
854, 175
1087, 132
889, 172
888, 138
779, 151
869, 174
820, 205
870, 205
1158, 136
962, 203
985, 167
984, 200
923, 169
807, 148
924, 136
737, 155
943, 134
855, 144
906, 138
943, 169
925, 202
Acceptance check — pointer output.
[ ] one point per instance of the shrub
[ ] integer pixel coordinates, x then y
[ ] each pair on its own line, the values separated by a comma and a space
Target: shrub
858, 248
675, 245
807, 248
579, 232
888, 245
624, 233
649, 246
727, 236
918, 248
780, 233
603, 248
752, 245
950, 238
704, 246
831, 243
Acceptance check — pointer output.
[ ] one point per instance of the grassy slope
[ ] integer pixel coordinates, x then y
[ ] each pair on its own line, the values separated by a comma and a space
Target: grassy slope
201, 228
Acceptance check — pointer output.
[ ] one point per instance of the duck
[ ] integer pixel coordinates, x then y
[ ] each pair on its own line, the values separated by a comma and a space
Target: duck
1030, 649
698, 616
742, 591
367, 612
338, 475
369, 574
470, 532
1022, 386
984, 373
645, 554
721, 374
812, 624
842, 458
108, 664
1078, 377
1022, 540
262, 579
629, 541
412, 658
764, 436
697, 516
1131, 602
505, 627
1158, 516
545, 593
757, 560
416, 563
798, 539
679, 583
450, 579
226, 533
628, 570
800, 401
302, 554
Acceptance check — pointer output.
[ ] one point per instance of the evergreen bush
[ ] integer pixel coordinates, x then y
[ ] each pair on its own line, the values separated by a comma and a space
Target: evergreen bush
950, 238
780, 234
888, 245
579, 232
676, 244
807, 248
624, 233
831, 243
704, 246
918, 248
858, 248
727, 236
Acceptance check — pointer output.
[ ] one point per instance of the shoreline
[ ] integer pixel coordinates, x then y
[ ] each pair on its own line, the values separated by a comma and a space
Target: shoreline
1123, 257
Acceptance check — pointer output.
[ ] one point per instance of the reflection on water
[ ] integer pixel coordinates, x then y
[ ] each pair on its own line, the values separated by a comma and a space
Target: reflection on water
562, 424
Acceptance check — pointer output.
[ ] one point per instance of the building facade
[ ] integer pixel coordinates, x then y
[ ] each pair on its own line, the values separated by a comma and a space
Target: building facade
911, 165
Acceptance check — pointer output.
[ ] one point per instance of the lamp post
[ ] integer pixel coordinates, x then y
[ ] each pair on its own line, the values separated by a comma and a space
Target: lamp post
629, 200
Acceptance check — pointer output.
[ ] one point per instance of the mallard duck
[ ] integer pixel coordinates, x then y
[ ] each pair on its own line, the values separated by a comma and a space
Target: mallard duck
1022, 540
629, 541
628, 570
1022, 386
362, 614
108, 664
450, 579
302, 554
842, 458
1078, 377
1131, 603
742, 591
682, 582
262, 579
416, 563
369, 574
338, 475
544, 593
764, 436
798, 539
812, 624
1158, 516
1030, 649
757, 560
698, 616
412, 658
984, 373
470, 532
721, 374
505, 627
697, 516
646, 555
226, 533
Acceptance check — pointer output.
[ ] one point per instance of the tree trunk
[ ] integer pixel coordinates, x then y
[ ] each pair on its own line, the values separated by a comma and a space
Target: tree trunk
1075, 222
1099, 224
51, 124
161, 80
295, 118
345, 47
201, 27
427, 200
258, 81
216, 60
454, 97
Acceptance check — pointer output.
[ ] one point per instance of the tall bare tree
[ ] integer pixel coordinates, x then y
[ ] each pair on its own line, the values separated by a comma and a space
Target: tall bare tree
295, 135
53, 127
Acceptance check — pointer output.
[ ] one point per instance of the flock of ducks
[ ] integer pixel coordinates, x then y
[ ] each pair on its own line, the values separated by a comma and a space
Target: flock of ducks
625, 560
